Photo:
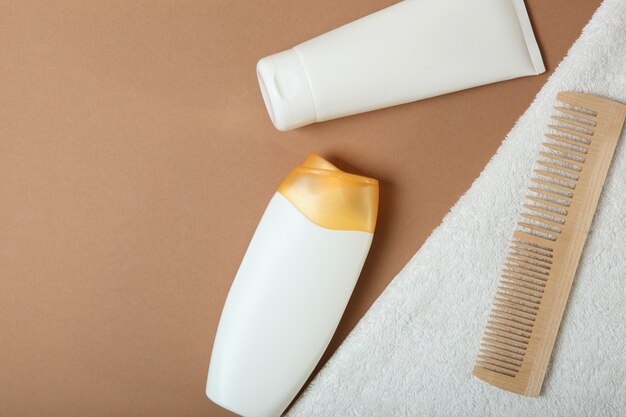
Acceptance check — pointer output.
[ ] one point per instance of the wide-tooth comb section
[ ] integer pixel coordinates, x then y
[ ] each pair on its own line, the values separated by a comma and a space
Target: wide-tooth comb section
547, 176
569, 141
532, 252
557, 185
563, 161
547, 206
581, 127
542, 219
581, 134
558, 169
588, 119
575, 150
552, 191
533, 262
541, 261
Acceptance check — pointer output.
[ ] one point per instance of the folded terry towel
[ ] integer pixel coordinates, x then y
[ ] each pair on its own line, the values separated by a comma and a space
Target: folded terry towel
413, 353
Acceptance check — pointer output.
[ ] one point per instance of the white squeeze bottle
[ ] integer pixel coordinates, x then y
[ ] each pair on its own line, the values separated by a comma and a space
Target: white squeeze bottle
292, 288
409, 51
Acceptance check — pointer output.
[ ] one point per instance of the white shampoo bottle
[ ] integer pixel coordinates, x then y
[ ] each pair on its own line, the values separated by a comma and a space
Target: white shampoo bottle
292, 288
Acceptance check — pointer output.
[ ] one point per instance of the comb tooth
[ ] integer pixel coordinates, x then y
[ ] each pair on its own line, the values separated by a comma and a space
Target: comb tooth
503, 350
510, 324
510, 355
520, 314
490, 336
530, 253
563, 190
523, 239
537, 231
541, 219
503, 360
582, 143
548, 237
525, 282
572, 132
521, 253
507, 364
500, 357
516, 335
506, 346
525, 271
516, 304
545, 213
529, 247
549, 205
506, 357
551, 193
575, 99
512, 305
513, 367
518, 298
507, 340
545, 267
512, 319
511, 345
576, 166
524, 275
530, 267
583, 126
536, 209
563, 182
570, 155
503, 355
564, 149
521, 273
554, 197
515, 275
574, 174
509, 286
506, 293
497, 312
522, 287
530, 262
489, 367
484, 365
529, 256
584, 116
549, 200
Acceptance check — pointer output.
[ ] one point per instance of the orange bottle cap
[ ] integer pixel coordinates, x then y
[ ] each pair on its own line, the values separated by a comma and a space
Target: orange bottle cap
332, 198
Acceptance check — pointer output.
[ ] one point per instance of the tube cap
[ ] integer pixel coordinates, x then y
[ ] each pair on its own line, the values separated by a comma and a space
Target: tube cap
286, 90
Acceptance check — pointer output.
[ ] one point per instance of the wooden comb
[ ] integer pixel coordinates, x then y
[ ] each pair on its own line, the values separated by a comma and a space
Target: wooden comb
548, 242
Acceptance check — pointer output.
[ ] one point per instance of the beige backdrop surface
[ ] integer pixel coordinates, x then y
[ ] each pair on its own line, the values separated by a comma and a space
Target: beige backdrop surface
136, 158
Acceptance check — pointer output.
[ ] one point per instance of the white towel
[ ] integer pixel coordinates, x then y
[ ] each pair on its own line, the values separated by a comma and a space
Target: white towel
413, 352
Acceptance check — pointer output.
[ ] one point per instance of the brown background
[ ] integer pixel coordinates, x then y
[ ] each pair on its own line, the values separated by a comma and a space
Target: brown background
136, 158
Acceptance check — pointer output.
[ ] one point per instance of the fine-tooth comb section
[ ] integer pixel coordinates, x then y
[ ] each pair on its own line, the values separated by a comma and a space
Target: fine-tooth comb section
547, 244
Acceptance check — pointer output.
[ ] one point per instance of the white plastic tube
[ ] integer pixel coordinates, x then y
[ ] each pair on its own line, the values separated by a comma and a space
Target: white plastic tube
291, 288
412, 50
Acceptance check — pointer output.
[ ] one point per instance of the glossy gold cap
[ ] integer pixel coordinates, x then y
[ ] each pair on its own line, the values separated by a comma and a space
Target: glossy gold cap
332, 198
